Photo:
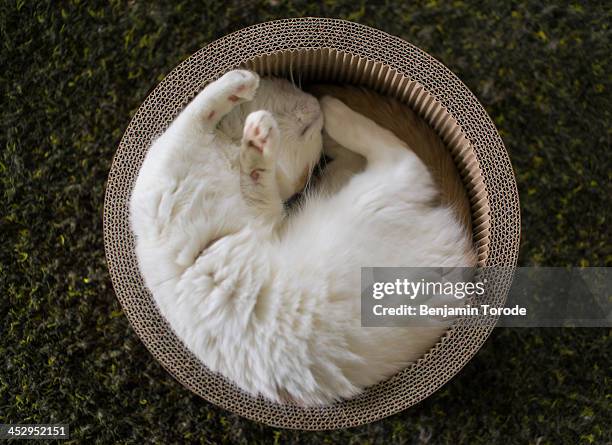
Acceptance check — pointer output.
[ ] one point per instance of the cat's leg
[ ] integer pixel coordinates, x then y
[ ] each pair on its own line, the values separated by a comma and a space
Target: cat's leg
219, 98
394, 166
360, 134
258, 183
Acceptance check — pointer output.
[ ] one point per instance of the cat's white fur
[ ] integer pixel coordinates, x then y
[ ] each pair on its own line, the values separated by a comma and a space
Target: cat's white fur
272, 301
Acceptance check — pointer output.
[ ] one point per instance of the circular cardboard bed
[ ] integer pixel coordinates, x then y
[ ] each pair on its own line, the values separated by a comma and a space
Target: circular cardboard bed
325, 50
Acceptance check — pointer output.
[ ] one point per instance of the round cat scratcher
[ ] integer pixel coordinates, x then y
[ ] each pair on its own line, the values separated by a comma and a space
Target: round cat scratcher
324, 50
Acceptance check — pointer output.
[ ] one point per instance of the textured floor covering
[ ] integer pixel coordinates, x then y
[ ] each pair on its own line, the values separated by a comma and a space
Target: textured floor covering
74, 72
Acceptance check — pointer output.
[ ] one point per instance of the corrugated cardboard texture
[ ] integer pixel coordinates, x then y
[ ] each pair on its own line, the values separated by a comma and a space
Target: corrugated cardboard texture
328, 50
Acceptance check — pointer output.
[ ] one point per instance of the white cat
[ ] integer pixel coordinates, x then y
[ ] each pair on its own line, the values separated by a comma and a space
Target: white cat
272, 301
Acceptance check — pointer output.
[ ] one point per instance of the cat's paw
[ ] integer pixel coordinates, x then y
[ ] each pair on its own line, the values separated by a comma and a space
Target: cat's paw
239, 85
259, 144
260, 132
335, 114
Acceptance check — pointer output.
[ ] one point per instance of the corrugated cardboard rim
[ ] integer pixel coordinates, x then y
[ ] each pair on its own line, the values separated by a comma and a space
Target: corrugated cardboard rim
360, 55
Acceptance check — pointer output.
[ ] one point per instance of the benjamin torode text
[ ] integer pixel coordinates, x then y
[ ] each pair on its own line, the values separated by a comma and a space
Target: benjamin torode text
413, 289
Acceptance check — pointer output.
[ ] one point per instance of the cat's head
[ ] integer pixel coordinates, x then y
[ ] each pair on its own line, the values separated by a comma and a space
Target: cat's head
300, 122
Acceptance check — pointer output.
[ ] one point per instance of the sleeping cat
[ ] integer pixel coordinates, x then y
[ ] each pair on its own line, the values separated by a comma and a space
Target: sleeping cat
270, 300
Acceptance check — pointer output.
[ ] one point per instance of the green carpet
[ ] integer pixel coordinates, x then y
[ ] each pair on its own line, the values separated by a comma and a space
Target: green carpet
73, 73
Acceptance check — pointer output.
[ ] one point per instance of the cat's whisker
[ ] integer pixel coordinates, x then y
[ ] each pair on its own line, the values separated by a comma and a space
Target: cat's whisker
291, 79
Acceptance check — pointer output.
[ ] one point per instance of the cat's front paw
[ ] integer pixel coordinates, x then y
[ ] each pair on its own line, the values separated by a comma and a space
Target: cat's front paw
259, 143
260, 132
240, 85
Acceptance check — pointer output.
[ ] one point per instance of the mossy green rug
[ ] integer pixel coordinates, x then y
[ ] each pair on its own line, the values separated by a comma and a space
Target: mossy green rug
74, 72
